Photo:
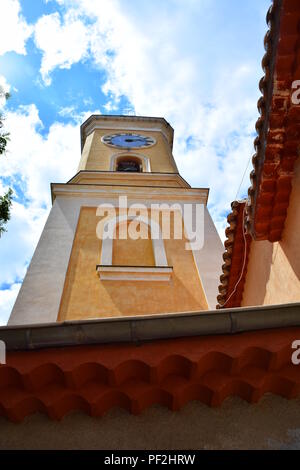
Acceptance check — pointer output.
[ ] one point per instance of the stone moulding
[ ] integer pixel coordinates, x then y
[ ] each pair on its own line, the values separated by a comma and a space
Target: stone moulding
134, 273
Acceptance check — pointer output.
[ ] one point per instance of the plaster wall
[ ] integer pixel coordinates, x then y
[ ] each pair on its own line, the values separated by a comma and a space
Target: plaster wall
273, 275
96, 156
139, 251
40, 295
273, 423
209, 260
86, 296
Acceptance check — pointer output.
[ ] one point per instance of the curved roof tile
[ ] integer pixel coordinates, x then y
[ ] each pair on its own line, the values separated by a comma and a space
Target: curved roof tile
171, 373
232, 280
278, 127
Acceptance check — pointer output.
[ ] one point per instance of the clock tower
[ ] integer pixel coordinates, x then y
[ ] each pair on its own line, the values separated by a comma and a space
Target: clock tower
126, 236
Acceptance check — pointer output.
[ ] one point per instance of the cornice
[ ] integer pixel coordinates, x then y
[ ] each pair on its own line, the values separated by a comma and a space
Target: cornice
104, 176
109, 191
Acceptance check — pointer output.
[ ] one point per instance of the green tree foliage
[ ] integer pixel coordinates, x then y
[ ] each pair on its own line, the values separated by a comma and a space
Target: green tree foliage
5, 204
6, 200
4, 136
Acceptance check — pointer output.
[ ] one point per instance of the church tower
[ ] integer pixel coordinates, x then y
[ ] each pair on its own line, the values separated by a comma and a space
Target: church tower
126, 236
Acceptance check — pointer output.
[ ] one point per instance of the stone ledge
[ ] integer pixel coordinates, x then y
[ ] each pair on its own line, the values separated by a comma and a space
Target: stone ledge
134, 273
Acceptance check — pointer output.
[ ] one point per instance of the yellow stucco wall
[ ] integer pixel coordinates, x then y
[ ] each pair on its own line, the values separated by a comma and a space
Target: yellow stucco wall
139, 252
86, 296
273, 275
97, 156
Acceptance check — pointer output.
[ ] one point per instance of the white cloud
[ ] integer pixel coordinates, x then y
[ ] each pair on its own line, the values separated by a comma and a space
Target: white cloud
62, 43
165, 65
5, 88
18, 243
7, 300
156, 65
14, 30
67, 111
39, 160
31, 163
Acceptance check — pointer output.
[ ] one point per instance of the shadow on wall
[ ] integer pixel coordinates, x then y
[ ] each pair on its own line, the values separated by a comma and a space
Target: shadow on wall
291, 234
273, 275
258, 273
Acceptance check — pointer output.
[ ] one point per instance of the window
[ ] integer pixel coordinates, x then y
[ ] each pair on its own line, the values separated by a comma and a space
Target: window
129, 165
133, 163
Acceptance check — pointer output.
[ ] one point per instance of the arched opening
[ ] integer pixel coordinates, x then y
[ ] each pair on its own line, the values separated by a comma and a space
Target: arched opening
129, 165
156, 239
160, 271
141, 162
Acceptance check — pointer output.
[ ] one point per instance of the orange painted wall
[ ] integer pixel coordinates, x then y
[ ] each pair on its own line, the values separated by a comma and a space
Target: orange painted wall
274, 268
141, 248
85, 296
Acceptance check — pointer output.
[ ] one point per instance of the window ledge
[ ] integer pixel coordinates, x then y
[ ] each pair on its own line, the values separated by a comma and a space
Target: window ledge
134, 273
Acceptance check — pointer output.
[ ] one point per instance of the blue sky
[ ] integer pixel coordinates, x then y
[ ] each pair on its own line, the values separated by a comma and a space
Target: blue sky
195, 62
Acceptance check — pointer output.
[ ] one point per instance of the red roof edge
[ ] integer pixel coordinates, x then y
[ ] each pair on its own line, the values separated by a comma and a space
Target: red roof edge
237, 246
171, 373
277, 143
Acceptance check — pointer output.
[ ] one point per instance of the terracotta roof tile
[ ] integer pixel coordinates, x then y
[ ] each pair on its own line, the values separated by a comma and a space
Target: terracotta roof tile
278, 128
168, 372
277, 146
231, 293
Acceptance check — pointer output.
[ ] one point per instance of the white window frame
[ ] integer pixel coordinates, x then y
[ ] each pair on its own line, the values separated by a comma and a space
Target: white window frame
160, 272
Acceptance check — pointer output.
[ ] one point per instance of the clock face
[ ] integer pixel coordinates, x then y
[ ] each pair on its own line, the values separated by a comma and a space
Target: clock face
128, 140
